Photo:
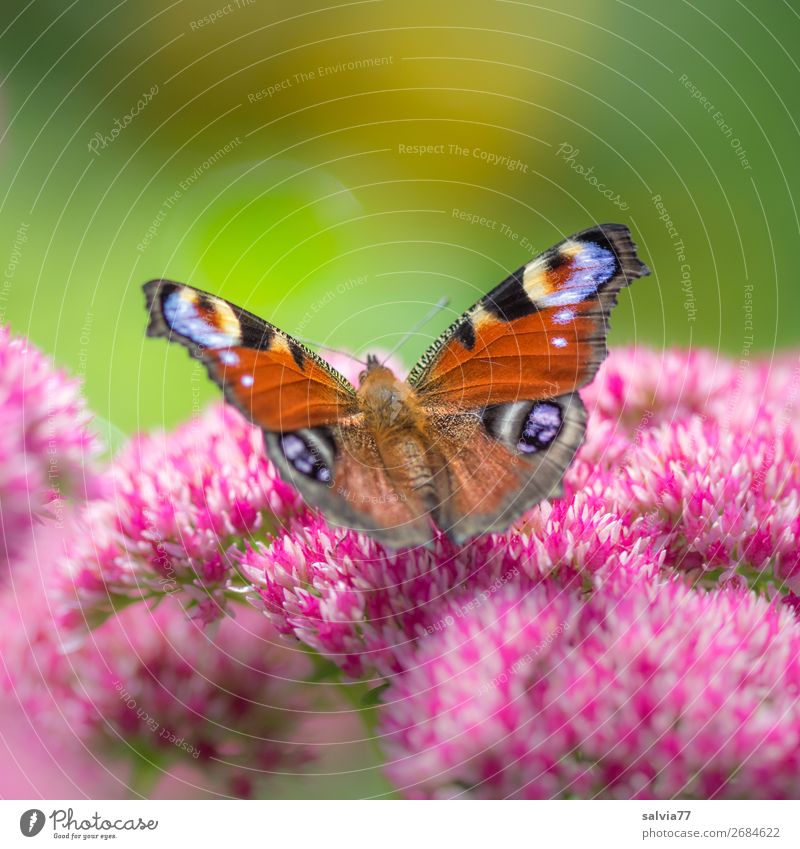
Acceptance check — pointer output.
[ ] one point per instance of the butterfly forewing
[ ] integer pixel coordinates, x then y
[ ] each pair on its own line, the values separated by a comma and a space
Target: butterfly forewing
540, 333
275, 381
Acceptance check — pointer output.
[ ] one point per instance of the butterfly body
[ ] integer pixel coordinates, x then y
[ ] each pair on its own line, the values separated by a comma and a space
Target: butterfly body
387, 403
482, 429
392, 412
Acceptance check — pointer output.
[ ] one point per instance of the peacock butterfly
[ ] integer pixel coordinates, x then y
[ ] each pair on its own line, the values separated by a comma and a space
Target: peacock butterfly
483, 428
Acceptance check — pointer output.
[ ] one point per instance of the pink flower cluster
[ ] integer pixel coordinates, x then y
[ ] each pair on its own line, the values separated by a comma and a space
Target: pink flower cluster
657, 691
152, 689
46, 448
637, 637
359, 604
175, 507
701, 456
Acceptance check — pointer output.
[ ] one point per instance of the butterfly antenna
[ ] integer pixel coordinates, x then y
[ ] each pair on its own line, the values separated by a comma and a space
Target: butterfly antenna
437, 308
328, 348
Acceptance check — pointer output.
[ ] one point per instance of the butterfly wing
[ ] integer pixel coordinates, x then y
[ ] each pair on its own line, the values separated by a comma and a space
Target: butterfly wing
499, 386
540, 333
358, 493
503, 460
313, 431
276, 382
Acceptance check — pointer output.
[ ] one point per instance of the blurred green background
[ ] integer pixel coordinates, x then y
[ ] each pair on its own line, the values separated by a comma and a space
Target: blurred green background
269, 152
338, 169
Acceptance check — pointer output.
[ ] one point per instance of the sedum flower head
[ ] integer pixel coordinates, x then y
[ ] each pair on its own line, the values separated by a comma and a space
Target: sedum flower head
175, 507
46, 445
358, 604
654, 691
150, 687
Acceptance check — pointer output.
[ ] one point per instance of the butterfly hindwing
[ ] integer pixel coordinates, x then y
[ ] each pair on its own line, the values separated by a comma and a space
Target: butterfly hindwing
276, 382
339, 469
504, 459
540, 333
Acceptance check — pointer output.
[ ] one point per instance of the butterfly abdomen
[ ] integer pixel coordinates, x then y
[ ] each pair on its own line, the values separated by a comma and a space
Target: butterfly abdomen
398, 423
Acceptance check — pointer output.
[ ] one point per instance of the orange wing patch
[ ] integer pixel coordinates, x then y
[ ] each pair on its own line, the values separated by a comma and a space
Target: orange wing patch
538, 356
274, 391
276, 382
